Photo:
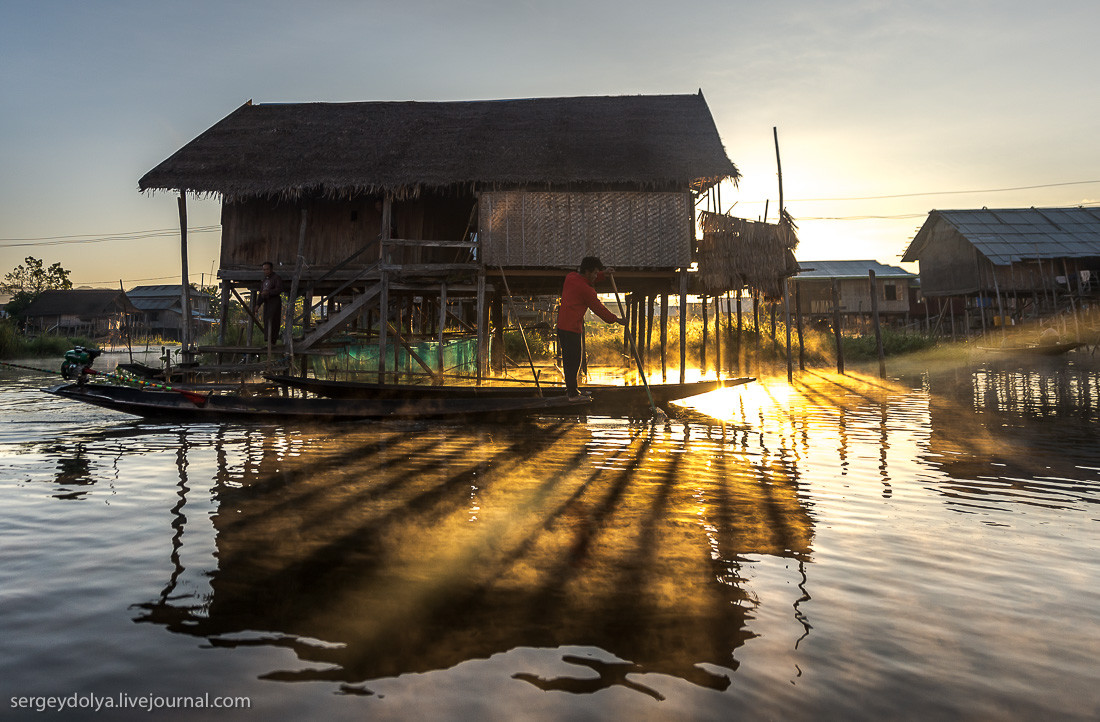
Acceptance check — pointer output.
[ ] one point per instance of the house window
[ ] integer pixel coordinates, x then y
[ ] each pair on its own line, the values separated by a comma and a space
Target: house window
890, 291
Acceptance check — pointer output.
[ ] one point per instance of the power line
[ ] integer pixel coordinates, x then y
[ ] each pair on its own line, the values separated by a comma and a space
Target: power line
96, 238
946, 193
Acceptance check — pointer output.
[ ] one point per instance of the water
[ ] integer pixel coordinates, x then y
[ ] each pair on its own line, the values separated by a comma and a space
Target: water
920, 548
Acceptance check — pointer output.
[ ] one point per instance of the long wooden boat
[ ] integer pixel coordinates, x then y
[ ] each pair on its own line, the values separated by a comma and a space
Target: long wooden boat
605, 398
1038, 349
190, 406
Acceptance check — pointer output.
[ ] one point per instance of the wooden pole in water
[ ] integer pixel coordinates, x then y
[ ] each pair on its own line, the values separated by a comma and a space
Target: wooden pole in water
186, 290
664, 337
740, 328
718, 336
683, 324
482, 335
651, 299
836, 330
383, 324
798, 315
878, 327
787, 319
299, 262
703, 352
442, 325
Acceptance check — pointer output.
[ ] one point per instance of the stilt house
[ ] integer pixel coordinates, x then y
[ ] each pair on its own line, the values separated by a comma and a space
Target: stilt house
853, 285
408, 220
1009, 263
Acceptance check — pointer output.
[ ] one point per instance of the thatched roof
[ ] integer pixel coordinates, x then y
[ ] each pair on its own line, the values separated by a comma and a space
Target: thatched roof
735, 253
84, 302
339, 150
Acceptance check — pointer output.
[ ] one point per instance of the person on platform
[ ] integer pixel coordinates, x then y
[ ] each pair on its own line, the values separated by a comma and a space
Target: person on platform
578, 295
270, 299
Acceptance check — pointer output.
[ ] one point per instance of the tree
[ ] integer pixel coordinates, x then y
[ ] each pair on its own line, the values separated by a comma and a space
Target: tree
26, 282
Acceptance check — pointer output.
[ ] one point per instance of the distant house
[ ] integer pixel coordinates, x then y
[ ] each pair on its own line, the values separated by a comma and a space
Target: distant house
1022, 261
160, 310
892, 287
92, 312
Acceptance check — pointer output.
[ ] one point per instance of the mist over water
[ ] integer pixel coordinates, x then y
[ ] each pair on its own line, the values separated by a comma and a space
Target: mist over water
923, 547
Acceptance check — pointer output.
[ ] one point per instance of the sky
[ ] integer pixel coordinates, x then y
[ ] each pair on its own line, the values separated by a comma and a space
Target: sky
884, 110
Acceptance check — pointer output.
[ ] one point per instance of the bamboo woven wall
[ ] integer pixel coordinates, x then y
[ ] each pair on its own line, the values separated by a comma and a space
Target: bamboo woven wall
558, 229
735, 252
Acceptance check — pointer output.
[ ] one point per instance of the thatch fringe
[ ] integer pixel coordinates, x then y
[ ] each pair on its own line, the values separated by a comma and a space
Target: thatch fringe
736, 252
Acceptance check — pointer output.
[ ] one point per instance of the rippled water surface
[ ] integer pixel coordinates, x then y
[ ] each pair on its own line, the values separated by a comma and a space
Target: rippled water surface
920, 548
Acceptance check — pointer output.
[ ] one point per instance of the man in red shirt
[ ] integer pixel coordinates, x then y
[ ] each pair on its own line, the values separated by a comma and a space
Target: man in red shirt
578, 295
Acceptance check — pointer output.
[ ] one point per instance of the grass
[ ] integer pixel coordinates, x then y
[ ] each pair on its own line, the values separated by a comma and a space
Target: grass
15, 345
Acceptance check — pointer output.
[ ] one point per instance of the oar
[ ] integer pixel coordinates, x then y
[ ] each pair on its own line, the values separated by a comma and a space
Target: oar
195, 398
657, 413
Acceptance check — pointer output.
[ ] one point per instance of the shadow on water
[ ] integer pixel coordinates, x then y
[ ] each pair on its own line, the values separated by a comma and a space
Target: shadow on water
382, 551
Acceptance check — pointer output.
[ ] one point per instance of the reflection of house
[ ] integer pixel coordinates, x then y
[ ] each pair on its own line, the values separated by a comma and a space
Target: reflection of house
160, 310
81, 312
1019, 261
892, 287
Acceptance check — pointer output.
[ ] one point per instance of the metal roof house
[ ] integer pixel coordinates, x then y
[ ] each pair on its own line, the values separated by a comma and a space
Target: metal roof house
1019, 262
160, 309
965, 252
365, 207
892, 287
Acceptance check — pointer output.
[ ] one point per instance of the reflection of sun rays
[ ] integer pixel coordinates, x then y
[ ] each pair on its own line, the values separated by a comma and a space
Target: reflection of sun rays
623, 536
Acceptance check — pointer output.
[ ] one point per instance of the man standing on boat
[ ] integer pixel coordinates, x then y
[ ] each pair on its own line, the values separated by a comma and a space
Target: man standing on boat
578, 295
271, 299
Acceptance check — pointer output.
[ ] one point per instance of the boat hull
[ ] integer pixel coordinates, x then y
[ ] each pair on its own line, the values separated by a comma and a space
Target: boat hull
179, 406
605, 399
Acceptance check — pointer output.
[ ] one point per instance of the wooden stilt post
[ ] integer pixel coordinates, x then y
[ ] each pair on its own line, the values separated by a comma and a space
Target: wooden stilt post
299, 262
718, 336
442, 325
798, 316
651, 299
683, 324
740, 329
703, 351
664, 337
383, 324
186, 290
787, 320
878, 328
482, 336
836, 330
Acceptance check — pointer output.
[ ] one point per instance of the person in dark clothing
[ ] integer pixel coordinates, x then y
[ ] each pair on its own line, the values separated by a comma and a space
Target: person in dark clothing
578, 296
271, 300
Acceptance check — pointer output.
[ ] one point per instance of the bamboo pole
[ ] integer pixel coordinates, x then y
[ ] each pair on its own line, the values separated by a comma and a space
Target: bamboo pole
836, 330
442, 325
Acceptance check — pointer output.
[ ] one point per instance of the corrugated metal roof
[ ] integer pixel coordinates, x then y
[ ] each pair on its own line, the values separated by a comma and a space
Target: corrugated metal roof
162, 291
159, 303
1009, 235
850, 269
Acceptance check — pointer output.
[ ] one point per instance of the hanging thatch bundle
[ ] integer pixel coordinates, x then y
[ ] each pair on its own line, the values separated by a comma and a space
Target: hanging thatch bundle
735, 253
